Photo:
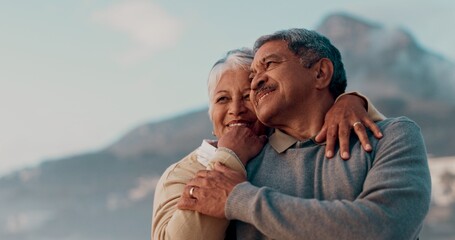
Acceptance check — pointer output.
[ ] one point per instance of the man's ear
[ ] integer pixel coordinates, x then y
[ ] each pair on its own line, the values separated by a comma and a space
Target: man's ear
324, 72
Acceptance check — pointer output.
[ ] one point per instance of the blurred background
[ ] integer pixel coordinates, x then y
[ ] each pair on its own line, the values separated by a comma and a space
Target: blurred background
97, 98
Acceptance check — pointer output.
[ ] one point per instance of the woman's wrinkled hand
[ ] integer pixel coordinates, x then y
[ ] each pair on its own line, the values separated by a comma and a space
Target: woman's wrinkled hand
243, 142
346, 114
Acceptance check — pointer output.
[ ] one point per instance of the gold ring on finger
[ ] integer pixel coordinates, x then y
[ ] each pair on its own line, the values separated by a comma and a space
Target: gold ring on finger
358, 122
192, 192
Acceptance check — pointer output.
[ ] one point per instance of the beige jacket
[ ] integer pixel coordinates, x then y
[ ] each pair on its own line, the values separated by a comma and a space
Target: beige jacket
172, 223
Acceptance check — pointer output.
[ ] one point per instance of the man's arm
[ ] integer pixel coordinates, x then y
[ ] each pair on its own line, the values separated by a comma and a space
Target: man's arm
392, 205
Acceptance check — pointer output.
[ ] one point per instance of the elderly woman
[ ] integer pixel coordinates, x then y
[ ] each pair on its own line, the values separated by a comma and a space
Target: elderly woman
231, 112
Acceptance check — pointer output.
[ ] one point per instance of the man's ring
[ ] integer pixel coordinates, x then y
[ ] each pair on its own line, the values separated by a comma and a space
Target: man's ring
191, 192
353, 125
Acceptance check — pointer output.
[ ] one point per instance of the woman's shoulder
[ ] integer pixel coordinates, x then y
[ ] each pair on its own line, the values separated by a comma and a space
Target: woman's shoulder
184, 169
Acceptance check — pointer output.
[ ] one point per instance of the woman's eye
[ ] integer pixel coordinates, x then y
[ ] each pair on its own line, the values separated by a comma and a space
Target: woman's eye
246, 97
221, 99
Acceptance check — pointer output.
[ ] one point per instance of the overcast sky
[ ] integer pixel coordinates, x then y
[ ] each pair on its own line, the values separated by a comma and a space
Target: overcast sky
76, 75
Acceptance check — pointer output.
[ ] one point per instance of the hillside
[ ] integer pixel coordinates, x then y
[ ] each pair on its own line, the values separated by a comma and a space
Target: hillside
100, 195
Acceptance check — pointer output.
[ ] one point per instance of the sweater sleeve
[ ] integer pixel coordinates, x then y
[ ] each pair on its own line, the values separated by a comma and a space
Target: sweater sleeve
392, 205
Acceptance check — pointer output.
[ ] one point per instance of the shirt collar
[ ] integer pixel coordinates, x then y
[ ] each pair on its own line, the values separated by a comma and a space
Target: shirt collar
206, 151
281, 141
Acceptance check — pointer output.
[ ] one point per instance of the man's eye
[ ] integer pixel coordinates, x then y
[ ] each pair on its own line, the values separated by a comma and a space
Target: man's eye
268, 64
246, 97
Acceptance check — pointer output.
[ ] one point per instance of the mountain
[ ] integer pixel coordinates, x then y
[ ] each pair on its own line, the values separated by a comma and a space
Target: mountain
398, 75
108, 194
389, 61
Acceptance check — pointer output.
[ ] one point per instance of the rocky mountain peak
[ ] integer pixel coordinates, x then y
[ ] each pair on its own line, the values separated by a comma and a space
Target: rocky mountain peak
389, 59
351, 30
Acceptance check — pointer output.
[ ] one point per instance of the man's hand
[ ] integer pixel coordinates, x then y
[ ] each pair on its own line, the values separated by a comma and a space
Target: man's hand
340, 120
210, 191
243, 142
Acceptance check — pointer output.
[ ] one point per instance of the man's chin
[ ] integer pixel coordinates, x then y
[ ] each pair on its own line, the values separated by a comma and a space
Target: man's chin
265, 117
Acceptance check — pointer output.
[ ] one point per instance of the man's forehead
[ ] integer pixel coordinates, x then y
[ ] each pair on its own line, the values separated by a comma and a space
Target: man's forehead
276, 47
272, 49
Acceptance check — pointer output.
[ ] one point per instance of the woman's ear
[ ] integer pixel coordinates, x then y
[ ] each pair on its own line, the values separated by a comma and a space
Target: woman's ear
324, 72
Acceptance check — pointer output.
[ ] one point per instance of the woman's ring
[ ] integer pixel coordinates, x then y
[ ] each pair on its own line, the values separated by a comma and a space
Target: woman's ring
191, 192
358, 122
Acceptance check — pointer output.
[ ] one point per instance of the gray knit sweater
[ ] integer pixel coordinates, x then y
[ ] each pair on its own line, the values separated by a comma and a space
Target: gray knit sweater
300, 194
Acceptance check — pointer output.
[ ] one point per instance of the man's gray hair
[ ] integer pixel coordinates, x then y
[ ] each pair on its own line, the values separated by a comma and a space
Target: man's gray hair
237, 59
311, 46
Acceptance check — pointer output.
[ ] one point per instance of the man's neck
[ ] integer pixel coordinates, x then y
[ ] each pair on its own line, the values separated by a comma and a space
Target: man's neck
307, 123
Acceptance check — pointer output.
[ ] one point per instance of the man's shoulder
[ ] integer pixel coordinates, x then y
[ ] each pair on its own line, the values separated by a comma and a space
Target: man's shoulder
399, 130
398, 122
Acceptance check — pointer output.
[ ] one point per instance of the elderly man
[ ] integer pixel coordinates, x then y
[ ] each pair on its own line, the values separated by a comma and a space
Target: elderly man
293, 191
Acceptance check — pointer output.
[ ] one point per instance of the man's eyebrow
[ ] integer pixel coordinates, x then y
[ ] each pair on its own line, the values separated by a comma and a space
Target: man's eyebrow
273, 56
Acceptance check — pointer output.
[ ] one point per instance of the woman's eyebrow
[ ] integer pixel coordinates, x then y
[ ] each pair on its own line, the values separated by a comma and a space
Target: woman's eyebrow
221, 91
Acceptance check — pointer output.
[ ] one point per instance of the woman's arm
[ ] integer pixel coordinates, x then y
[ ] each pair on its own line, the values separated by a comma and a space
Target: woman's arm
171, 223
349, 109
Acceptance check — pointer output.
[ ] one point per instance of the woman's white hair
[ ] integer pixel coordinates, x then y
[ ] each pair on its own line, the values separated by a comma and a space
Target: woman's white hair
233, 60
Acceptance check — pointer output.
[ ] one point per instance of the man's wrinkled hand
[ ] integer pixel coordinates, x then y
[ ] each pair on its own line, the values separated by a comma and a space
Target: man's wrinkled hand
211, 189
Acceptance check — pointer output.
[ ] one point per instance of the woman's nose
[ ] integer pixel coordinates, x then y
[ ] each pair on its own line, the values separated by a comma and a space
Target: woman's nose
237, 107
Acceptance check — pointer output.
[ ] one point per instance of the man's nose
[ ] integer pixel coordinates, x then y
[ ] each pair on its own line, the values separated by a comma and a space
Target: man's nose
258, 82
